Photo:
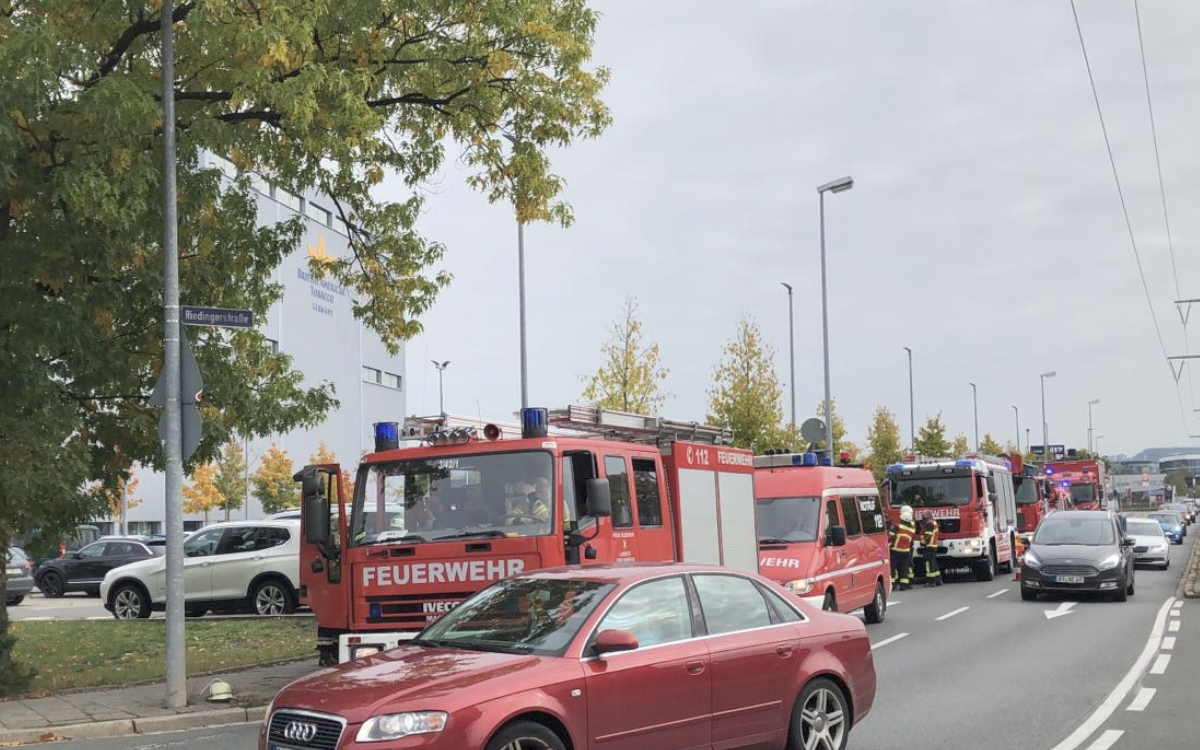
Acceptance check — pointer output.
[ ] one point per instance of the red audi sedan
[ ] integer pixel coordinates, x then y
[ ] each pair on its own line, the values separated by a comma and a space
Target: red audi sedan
654, 657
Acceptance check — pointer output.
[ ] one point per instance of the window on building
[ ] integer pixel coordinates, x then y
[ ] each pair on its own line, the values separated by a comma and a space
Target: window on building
391, 380
372, 375
274, 346
317, 213
192, 525
287, 199
149, 528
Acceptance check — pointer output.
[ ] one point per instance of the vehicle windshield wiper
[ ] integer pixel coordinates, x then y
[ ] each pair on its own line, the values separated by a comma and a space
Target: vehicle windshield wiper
490, 533
773, 540
409, 539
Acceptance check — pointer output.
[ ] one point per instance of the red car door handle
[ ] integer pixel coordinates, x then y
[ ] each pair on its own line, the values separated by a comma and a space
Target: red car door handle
783, 651
695, 667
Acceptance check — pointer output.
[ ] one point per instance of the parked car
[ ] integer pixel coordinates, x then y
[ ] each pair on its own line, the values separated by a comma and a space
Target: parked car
665, 655
18, 572
1150, 543
1172, 524
290, 514
85, 569
235, 565
1077, 551
40, 546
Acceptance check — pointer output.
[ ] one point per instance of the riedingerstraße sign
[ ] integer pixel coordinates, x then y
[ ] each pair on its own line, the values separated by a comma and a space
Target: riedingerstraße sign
216, 316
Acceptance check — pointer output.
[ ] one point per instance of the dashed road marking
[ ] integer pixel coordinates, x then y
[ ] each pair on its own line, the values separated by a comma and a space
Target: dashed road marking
998, 593
1106, 740
886, 641
1160, 664
952, 613
1142, 699
1173, 626
1168, 643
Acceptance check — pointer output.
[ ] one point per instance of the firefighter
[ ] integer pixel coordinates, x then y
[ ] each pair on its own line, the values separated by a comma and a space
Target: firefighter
901, 538
929, 541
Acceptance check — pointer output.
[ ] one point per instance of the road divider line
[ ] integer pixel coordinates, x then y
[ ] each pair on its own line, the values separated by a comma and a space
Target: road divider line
886, 641
1160, 664
998, 593
1106, 740
1173, 626
1168, 643
1142, 699
1117, 696
952, 613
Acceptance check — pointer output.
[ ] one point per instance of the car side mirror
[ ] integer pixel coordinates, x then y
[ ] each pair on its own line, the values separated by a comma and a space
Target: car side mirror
836, 536
315, 506
76, 555
599, 498
1127, 542
613, 641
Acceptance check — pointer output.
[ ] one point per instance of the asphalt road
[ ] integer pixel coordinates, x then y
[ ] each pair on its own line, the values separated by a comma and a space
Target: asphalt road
969, 666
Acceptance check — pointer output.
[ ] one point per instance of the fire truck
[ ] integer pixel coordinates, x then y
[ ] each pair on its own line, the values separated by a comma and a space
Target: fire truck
973, 500
429, 524
1083, 479
1033, 494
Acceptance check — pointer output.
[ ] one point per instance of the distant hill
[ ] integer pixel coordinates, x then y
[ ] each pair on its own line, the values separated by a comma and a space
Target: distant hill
1157, 454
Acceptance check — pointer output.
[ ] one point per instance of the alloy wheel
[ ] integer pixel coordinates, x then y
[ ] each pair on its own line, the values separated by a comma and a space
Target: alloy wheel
823, 721
127, 604
270, 600
526, 743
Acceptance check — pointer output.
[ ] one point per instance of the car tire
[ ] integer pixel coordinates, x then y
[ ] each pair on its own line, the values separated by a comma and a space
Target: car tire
877, 609
272, 597
525, 735
1166, 564
195, 610
1132, 581
1028, 594
15, 601
821, 709
51, 585
830, 603
130, 602
986, 571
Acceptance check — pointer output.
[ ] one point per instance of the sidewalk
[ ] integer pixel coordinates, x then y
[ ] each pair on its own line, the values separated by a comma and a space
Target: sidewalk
110, 712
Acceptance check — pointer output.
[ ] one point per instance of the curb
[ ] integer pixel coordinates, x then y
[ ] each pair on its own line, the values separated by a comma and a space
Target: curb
122, 727
1189, 587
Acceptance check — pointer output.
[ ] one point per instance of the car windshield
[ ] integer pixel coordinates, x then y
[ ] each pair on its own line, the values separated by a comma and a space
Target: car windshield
519, 615
1168, 518
431, 499
1083, 493
788, 519
1026, 488
1139, 527
1091, 532
929, 491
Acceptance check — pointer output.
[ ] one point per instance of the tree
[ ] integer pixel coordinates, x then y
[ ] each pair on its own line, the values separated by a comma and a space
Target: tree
323, 455
991, 447
630, 373
331, 97
231, 478
883, 440
1176, 479
931, 439
273, 483
202, 495
112, 497
745, 395
961, 446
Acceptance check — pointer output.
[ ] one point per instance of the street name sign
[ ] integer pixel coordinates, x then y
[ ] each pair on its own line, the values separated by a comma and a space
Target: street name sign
216, 316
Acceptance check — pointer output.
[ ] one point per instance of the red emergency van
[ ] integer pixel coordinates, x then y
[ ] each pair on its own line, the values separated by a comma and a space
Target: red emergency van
822, 532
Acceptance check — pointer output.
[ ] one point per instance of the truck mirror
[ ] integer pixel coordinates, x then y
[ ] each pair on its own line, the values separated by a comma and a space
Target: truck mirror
836, 536
315, 508
599, 498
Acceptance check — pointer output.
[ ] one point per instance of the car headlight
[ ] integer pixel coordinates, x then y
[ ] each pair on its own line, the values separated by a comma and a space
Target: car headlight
396, 726
974, 542
1031, 561
799, 586
1110, 562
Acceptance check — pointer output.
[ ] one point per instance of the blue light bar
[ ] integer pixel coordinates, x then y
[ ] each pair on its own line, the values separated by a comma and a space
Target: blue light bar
387, 436
797, 459
810, 459
1049, 470
964, 462
1066, 483
534, 422
895, 467
826, 461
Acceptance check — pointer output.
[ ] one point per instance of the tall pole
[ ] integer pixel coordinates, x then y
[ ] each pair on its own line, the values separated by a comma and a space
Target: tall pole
441, 367
176, 687
975, 406
912, 411
246, 477
1017, 417
1045, 427
792, 350
1091, 444
521, 285
124, 508
836, 186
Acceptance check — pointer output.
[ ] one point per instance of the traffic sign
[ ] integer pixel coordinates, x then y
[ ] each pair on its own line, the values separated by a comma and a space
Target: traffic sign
216, 316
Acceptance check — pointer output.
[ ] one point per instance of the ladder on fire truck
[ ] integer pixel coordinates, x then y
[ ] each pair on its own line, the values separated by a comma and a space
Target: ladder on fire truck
635, 428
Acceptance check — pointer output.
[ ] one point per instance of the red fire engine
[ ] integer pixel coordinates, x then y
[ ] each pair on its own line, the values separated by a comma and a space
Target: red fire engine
1033, 494
823, 533
1083, 479
974, 503
427, 526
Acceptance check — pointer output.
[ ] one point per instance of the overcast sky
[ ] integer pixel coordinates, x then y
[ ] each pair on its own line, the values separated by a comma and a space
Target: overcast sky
984, 229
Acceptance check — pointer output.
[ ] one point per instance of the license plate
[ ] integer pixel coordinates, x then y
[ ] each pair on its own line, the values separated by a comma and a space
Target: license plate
1068, 579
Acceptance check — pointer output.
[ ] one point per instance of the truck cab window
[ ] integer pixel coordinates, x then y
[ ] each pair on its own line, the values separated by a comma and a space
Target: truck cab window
645, 486
618, 482
850, 513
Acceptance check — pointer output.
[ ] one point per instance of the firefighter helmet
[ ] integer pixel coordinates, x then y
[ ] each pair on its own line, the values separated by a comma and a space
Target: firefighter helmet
906, 513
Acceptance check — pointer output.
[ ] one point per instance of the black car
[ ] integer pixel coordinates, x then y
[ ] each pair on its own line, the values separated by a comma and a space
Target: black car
85, 569
1079, 551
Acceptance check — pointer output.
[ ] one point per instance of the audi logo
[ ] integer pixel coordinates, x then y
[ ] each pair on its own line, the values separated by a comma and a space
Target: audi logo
300, 731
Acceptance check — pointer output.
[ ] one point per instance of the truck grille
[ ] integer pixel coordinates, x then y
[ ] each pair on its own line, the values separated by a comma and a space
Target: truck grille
948, 525
304, 730
1069, 570
412, 611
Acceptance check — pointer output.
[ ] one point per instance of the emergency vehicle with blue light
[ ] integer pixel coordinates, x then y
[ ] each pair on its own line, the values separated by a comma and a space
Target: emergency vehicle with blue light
1083, 479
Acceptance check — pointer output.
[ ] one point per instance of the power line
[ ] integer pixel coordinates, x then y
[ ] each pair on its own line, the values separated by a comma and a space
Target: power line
1125, 210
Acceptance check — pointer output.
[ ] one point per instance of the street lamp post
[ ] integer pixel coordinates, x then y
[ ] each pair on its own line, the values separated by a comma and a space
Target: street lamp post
521, 294
1017, 418
975, 407
791, 350
837, 186
1045, 427
441, 368
912, 415
1093, 402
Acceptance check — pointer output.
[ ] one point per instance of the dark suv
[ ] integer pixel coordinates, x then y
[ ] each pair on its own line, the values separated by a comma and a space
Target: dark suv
1079, 551
85, 569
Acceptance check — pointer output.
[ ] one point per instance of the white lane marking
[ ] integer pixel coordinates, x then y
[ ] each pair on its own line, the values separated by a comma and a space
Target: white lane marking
998, 593
1106, 740
1063, 609
1115, 698
886, 641
1168, 643
1173, 626
1160, 664
1142, 699
952, 613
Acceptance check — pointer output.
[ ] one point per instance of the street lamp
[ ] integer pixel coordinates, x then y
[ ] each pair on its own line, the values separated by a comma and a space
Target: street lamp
521, 294
912, 416
1017, 417
1091, 403
837, 186
791, 350
1045, 429
975, 406
441, 368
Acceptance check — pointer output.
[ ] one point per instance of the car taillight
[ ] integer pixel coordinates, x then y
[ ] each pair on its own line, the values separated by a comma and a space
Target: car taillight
62, 550
29, 565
